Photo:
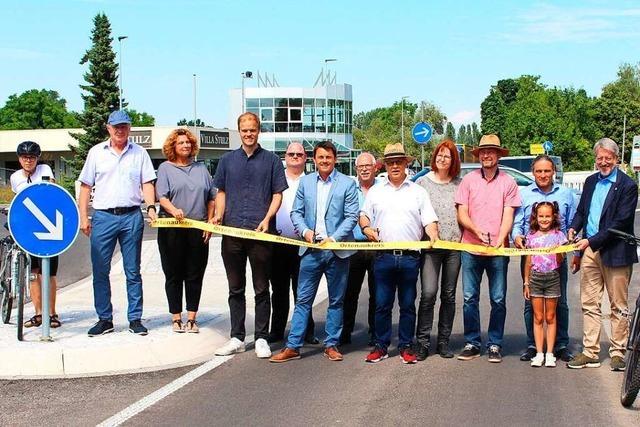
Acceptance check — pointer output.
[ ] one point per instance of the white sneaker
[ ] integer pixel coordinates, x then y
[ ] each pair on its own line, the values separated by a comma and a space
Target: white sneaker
538, 360
550, 360
234, 345
263, 351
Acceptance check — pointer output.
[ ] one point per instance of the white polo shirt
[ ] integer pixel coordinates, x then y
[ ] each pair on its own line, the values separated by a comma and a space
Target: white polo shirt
118, 178
19, 180
400, 214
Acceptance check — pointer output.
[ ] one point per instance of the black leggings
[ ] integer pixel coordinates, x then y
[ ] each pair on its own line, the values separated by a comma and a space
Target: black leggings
184, 256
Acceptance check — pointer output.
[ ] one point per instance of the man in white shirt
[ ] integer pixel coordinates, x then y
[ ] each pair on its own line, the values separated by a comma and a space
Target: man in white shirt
123, 175
285, 259
396, 210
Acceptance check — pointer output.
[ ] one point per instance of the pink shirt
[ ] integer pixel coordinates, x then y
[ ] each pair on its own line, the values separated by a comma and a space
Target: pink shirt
486, 201
538, 239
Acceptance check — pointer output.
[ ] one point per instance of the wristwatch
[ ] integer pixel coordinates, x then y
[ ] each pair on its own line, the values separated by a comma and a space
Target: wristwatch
151, 207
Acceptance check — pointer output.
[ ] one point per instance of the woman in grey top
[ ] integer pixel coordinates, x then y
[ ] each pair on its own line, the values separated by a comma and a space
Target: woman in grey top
185, 190
441, 183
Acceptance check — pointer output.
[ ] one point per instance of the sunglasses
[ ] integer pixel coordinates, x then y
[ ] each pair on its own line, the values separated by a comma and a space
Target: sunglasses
295, 154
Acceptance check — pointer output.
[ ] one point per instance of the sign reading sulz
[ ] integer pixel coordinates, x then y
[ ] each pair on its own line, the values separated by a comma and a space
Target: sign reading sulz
213, 139
141, 137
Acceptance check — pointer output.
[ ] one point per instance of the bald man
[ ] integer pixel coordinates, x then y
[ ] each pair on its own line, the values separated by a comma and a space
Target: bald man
362, 261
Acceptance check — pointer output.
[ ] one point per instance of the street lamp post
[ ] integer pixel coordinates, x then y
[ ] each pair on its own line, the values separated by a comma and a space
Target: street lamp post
120, 38
245, 75
402, 121
326, 95
195, 112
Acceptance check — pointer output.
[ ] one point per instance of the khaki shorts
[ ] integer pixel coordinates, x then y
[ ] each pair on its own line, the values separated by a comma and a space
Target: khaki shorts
544, 285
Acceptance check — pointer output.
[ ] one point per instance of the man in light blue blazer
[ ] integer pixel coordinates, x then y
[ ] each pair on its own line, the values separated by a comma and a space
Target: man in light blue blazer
325, 210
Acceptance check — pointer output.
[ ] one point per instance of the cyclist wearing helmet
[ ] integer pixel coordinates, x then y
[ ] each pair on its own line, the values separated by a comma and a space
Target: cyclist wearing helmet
32, 172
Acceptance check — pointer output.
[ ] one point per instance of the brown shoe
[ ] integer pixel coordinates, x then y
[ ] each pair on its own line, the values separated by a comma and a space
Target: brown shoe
333, 354
285, 355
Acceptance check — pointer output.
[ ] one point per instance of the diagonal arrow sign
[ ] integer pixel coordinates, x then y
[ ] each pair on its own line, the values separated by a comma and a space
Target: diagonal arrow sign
54, 232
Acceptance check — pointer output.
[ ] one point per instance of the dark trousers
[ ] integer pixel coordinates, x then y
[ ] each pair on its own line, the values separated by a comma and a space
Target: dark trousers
359, 264
438, 264
285, 266
235, 252
183, 255
562, 310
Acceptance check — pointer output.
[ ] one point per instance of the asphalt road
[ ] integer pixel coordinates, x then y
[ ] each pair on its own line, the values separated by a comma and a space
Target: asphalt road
314, 391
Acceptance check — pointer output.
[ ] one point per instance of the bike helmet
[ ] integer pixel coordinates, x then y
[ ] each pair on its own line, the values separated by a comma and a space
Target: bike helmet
28, 148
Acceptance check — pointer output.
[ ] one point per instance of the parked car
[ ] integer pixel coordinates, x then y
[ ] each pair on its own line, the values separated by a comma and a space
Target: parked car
521, 179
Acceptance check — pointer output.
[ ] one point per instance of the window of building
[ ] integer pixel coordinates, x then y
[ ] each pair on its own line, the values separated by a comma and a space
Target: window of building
282, 114
295, 127
295, 114
266, 114
255, 111
266, 127
282, 102
266, 102
295, 102
251, 103
282, 127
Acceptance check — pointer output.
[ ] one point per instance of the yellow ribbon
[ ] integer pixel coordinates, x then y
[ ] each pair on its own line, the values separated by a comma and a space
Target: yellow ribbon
438, 244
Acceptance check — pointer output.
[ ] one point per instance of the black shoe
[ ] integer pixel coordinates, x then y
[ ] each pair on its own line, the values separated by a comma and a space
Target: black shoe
494, 354
274, 338
345, 339
101, 327
528, 355
312, 340
136, 327
422, 352
564, 354
469, 352
443, 350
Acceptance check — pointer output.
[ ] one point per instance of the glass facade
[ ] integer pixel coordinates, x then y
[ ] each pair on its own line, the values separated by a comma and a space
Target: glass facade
302, 114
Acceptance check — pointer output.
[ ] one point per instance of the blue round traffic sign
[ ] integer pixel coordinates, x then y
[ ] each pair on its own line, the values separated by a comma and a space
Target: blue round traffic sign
44, 219
422, 132
547, 145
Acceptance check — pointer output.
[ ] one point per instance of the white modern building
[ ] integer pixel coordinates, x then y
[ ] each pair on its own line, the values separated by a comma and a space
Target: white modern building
55, 145
296, 114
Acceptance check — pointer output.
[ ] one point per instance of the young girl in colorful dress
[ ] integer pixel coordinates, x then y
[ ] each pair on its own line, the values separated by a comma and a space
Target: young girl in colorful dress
542, 277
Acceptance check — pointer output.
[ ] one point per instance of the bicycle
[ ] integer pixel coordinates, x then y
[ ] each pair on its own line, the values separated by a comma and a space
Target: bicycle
15, 274
631, 379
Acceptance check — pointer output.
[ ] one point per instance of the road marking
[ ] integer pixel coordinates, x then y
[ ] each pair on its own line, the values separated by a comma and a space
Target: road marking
163, 392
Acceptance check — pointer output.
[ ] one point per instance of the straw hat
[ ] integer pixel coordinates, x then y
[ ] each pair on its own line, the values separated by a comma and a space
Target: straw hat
490, 141
396, 151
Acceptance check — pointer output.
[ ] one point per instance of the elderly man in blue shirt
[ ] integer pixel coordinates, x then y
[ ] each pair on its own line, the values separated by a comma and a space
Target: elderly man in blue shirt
609, 199
545, 189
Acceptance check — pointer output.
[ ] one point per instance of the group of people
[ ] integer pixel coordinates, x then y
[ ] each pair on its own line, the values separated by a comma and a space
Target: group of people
253, 190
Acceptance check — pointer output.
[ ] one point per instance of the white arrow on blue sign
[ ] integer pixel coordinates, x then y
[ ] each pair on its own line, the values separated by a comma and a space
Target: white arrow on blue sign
44, 219
547, 145
422, 132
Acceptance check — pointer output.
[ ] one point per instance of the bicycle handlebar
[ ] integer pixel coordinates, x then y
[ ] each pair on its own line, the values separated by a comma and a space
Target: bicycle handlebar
629, 238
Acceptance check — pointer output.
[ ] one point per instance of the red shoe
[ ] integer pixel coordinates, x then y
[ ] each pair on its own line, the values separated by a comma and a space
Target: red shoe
408, 356
376, 355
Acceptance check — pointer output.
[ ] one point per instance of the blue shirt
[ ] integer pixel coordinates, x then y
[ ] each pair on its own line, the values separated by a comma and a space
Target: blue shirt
249, 183
323, 188
532, 194
600, 192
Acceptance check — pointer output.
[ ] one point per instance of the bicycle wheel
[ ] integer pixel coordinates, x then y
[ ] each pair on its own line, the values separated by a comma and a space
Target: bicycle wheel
21, 287
631, 380
7, 302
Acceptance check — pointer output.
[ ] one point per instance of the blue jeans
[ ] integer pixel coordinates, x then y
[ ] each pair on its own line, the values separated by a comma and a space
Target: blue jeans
562, 312
395, 272
313, 264
473, 266
106, 230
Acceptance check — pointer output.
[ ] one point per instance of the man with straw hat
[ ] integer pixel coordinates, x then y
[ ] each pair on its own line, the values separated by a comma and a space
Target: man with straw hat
486, 201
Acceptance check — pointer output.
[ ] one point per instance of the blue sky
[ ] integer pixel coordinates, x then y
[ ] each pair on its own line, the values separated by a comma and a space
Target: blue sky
448, 53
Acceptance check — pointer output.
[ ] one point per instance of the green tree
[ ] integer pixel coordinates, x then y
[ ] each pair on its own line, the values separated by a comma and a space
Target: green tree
475, 134
428, 112
462, 135
141, 119
36, 109
450, 132
619, 98
100, 94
